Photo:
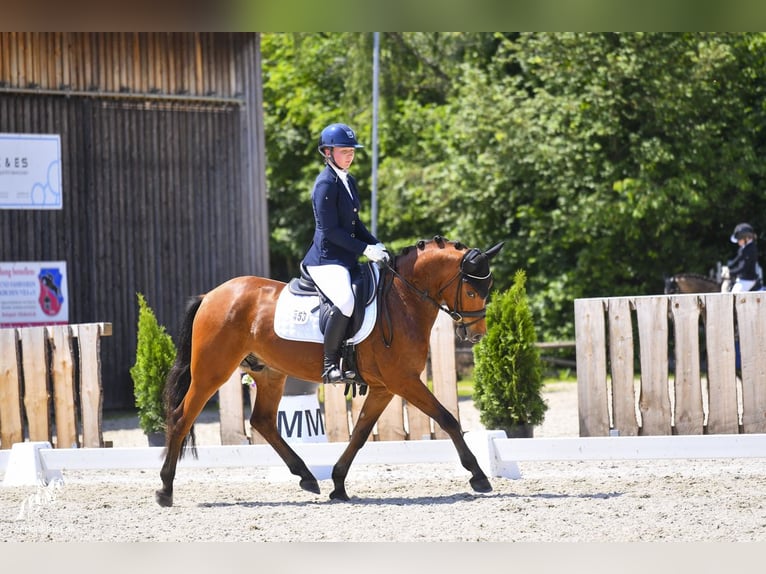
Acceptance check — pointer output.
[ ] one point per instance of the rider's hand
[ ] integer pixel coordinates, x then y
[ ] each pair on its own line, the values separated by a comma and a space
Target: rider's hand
375, 253
383, 247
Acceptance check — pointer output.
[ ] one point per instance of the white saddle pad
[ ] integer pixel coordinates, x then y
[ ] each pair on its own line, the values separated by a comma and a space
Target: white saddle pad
296, 318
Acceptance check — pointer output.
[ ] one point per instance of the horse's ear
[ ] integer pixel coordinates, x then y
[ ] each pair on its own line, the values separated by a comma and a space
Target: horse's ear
492, 251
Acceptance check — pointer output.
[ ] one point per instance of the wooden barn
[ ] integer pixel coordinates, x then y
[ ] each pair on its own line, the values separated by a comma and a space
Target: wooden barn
162, 172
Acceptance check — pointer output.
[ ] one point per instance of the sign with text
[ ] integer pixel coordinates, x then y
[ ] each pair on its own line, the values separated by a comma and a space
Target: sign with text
30, 171
33, 293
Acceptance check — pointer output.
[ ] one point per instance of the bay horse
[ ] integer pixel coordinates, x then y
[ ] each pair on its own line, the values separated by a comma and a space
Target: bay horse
235, 321
691, 283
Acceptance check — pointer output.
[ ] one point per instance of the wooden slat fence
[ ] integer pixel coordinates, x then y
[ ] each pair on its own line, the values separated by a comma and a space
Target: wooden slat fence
671, 364
50, 384
398, 422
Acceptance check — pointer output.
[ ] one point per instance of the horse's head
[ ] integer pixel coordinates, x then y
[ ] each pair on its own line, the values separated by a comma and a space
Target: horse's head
691, 283
458, 282
671, 285
476, 279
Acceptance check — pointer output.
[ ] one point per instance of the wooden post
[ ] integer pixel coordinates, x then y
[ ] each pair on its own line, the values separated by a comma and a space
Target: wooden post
335, 413
443, 370
751, 322
36, 396
590, 338
11, 430
391, 422
91, 390
689, 415
723, 410
356, 407
232, 410
654, 401
419, 423
64, 390
621, 358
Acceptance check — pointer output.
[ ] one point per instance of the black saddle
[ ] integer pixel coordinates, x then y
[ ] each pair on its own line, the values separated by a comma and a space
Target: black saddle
363, 283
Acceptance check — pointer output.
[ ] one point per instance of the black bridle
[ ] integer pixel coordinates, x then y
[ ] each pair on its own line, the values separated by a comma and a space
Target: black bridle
479, 279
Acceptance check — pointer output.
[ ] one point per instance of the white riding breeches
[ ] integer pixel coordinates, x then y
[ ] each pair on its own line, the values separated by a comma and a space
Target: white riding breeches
741, 285
335, 282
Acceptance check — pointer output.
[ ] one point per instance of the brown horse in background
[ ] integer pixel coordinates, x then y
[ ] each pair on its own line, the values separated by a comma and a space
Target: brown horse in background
691, 283
236, 320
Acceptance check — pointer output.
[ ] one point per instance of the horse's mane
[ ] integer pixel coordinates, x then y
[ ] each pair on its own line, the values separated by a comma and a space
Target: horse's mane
438, 240
694, 276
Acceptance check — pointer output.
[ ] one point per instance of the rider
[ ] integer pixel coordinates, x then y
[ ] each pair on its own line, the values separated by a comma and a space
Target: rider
340, 238
743, 267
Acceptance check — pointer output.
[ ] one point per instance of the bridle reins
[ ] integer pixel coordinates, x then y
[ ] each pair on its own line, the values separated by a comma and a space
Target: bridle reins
455, 313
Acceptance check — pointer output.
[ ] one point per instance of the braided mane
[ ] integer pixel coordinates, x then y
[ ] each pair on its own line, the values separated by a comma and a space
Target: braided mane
439, 240
694, 276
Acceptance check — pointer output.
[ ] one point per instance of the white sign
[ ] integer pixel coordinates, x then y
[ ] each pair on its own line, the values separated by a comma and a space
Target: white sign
33, 293
30, 171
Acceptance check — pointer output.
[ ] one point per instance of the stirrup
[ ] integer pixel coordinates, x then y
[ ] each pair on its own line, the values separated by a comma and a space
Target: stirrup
348, 374
332, 375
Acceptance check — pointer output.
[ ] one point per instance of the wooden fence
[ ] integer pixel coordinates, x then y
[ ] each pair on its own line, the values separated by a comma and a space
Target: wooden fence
61, 362
398, 422
50, 390
671, 364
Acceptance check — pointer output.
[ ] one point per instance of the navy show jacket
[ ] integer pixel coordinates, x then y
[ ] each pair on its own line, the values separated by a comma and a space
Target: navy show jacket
340, 237
743, 264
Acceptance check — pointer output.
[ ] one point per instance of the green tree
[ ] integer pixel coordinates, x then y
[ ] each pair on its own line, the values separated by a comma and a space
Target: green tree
311, 80
605, 161
609, 160
155, 353
508, 378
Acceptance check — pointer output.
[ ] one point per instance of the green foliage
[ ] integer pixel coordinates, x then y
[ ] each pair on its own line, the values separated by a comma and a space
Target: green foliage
605, 161
155, 353
311, 80
508, 377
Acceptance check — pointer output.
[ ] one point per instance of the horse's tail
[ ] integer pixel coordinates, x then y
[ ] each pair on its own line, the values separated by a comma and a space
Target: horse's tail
179, 377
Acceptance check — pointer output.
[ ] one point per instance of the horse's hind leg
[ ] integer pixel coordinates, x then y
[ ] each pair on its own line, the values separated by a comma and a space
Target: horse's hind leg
269, 386
180, 424
374, 405
418, 395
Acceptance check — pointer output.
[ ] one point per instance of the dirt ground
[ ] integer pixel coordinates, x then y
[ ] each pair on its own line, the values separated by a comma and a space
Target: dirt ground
593, 501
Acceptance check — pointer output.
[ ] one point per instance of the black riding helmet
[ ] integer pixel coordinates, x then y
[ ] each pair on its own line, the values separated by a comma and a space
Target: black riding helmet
742, 230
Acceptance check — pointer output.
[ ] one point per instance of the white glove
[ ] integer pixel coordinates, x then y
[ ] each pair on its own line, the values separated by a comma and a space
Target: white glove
725, 272
383, 247
376, 252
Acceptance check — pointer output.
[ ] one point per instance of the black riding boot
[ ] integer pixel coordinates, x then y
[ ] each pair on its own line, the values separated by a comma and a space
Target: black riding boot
334, 334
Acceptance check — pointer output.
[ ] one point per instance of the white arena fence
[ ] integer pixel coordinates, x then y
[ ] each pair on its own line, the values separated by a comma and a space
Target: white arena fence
35, 462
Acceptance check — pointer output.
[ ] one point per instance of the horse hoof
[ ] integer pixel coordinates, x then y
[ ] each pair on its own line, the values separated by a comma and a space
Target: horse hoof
339, 494
310, 485
481, 485
163, 499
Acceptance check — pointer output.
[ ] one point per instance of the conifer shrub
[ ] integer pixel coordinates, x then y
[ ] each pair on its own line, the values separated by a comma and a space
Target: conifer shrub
155, 354
508, 374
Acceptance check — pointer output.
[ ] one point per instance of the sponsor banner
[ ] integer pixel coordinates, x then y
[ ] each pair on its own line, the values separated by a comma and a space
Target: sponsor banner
30, 171
33, 293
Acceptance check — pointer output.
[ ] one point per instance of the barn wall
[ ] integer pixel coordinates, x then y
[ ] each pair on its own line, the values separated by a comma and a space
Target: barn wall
164, 63
163, 184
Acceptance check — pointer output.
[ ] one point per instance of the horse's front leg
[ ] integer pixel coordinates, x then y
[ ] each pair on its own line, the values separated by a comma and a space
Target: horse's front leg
269, 386
418, 395
375, 403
